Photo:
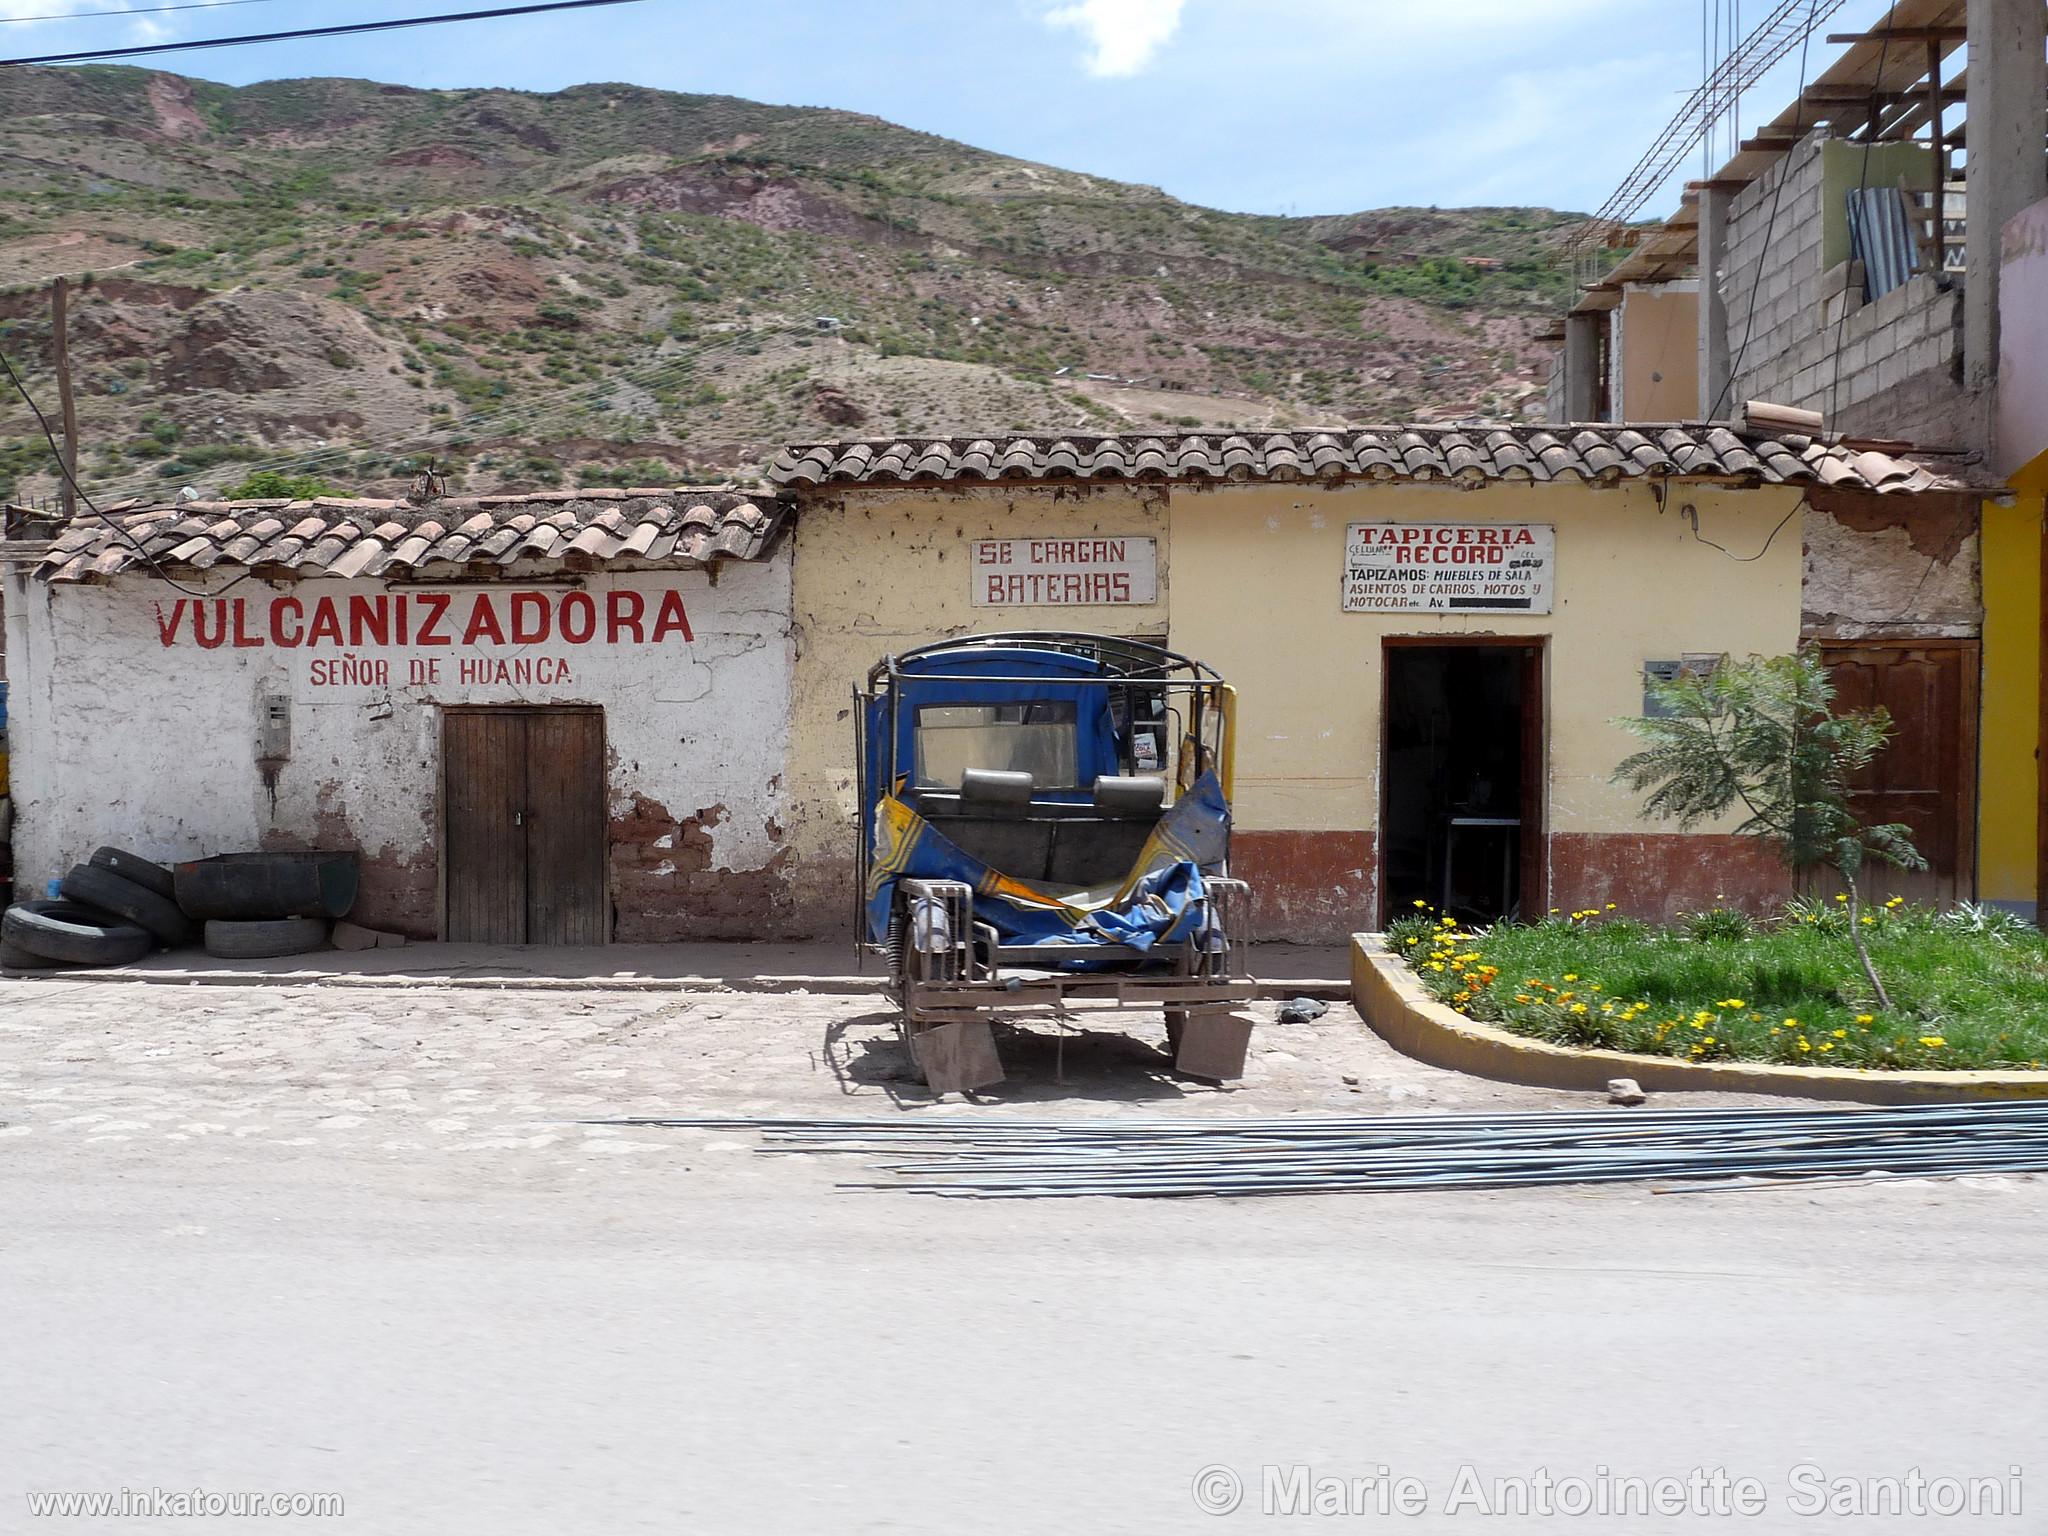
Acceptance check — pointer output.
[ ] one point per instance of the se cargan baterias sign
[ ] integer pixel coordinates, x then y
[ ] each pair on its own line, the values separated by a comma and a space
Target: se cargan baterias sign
1449, 567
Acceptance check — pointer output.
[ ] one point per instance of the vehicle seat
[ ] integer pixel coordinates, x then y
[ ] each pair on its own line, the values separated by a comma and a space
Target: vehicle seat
1120, 796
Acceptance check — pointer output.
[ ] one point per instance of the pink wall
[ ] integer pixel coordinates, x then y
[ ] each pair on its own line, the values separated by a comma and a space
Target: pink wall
2023, 341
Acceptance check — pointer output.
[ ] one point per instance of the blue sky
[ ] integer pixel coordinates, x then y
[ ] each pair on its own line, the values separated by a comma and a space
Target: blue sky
1263, 106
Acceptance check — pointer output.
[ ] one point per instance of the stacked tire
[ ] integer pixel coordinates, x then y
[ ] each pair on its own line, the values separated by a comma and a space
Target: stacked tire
261, 905
114, 910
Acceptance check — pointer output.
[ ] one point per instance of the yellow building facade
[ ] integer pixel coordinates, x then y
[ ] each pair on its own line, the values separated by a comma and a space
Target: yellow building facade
1386, 752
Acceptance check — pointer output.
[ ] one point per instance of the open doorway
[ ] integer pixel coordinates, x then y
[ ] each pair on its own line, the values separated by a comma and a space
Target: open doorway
1461, 778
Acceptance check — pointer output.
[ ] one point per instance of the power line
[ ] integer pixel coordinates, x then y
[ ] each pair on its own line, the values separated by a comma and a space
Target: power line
140, 10
1770, 223
305, 32
64, 469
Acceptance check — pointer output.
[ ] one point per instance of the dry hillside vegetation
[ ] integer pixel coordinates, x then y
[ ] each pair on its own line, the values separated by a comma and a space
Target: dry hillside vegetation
612, 283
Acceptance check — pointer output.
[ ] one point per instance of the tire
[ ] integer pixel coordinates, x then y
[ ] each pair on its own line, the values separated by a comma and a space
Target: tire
133, 867
13, 958
261, 887
96, 886
262, 940
74, 935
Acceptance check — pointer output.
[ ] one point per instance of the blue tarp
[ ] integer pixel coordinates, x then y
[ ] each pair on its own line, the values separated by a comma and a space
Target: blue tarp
1161, 902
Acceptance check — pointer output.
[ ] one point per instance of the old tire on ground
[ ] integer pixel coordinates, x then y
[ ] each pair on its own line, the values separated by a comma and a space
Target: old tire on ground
259, 887
262, 940
74, 934
134, 867
13, 958
96, 886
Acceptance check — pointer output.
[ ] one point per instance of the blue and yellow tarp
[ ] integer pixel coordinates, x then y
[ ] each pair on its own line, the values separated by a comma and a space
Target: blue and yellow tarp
1161, 901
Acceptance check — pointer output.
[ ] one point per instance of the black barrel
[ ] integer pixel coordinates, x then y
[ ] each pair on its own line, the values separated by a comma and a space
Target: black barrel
250, 887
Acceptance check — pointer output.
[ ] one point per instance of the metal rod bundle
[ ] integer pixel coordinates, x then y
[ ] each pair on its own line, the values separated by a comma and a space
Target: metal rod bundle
998, 1158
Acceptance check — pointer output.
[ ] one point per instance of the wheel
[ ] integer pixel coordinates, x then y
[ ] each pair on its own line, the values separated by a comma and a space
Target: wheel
132, 866
262, 940
97, 886
73, 934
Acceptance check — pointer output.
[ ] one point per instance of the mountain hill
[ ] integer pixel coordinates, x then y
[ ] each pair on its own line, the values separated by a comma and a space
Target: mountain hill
615, 283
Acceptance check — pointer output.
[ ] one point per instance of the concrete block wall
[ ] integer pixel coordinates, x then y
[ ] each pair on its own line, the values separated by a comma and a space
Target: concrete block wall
1803, 320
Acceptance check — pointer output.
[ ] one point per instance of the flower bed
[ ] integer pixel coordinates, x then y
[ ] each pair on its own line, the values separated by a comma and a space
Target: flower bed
1969, 987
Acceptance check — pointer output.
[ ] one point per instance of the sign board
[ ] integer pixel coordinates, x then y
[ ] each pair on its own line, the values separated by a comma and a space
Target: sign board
1449, 567
1064, 573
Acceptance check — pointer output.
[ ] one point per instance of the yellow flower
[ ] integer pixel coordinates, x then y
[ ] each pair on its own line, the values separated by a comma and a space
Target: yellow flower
1436, 965
1933, 1042
1824, 1045
1571, 975
1521, 997
1841, 1034
1578, 1007
1791, 1023
1610, 906
1413, 942
1422, 904
1866, 1018
1708, 1041
1731, 1002
1804, 1046
1840, 897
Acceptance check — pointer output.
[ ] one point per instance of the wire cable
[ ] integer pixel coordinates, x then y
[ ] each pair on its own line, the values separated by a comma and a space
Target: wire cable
78, 490
343, 30
140, 10
1863, 185
1770, 223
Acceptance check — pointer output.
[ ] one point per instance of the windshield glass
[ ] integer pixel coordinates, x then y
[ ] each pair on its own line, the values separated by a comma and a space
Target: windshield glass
1035, 738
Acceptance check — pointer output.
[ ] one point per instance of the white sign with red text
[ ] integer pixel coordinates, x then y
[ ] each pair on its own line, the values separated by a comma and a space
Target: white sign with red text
1449, 567
1065, 573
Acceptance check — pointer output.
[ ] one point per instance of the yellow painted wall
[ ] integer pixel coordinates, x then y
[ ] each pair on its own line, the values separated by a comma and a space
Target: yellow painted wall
1660, 355
2008, 791
887, 569
1256, 571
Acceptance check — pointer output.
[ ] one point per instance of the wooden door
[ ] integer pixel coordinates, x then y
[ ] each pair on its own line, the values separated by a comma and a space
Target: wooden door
523, 826
1927, 776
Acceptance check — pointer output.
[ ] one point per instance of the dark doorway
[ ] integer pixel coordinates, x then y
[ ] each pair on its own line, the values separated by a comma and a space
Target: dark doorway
1462, 769
523, 826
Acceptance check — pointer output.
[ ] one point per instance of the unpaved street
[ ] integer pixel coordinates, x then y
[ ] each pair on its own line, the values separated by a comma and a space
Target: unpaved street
315, 1239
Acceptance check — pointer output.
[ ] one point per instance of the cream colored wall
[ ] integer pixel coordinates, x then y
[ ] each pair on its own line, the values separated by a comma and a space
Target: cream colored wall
1660, 346
1255, 593
887, 569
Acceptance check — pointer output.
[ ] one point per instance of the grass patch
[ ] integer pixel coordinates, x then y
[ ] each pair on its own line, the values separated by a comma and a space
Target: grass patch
1969, 986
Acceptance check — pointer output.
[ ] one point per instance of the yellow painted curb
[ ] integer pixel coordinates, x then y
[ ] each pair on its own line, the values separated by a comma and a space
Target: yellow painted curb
1391, 999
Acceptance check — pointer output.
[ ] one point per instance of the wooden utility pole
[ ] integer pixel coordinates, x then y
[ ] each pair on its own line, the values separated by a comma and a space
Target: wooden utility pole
60, 351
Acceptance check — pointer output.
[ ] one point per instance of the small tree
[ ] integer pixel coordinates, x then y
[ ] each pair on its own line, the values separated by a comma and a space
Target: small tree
1763, 736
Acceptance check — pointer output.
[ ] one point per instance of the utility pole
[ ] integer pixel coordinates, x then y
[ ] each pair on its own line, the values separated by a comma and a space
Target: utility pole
60, 351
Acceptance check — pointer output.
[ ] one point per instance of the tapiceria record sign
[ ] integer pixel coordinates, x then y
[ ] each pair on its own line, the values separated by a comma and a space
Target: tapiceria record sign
1449, 567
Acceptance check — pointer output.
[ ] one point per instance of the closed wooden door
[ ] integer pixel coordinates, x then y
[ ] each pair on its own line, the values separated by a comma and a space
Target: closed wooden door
523, 826
1927, 777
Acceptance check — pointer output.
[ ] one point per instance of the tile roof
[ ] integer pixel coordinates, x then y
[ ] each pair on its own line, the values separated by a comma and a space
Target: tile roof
334, 536
1598, 452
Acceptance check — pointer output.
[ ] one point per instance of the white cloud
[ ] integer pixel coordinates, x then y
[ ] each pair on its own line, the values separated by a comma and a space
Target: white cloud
1123, 35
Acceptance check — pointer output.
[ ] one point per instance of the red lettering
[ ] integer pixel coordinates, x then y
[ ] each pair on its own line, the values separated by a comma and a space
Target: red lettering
1120, 588
437, 609
280, 609
672, 617
243, 639
525, 632
622, 612
167, 630
369, 616
326, 623
483, 620
220, 628
579, 612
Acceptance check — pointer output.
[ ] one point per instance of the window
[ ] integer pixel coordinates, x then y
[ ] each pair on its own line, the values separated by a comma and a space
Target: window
1035, 737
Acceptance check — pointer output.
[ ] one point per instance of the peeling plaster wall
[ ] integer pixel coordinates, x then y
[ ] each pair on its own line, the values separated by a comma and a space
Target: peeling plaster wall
120, 738
1889, 566
884, 570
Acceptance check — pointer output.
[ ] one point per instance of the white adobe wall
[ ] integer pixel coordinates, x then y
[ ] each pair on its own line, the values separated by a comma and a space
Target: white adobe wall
122, 735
